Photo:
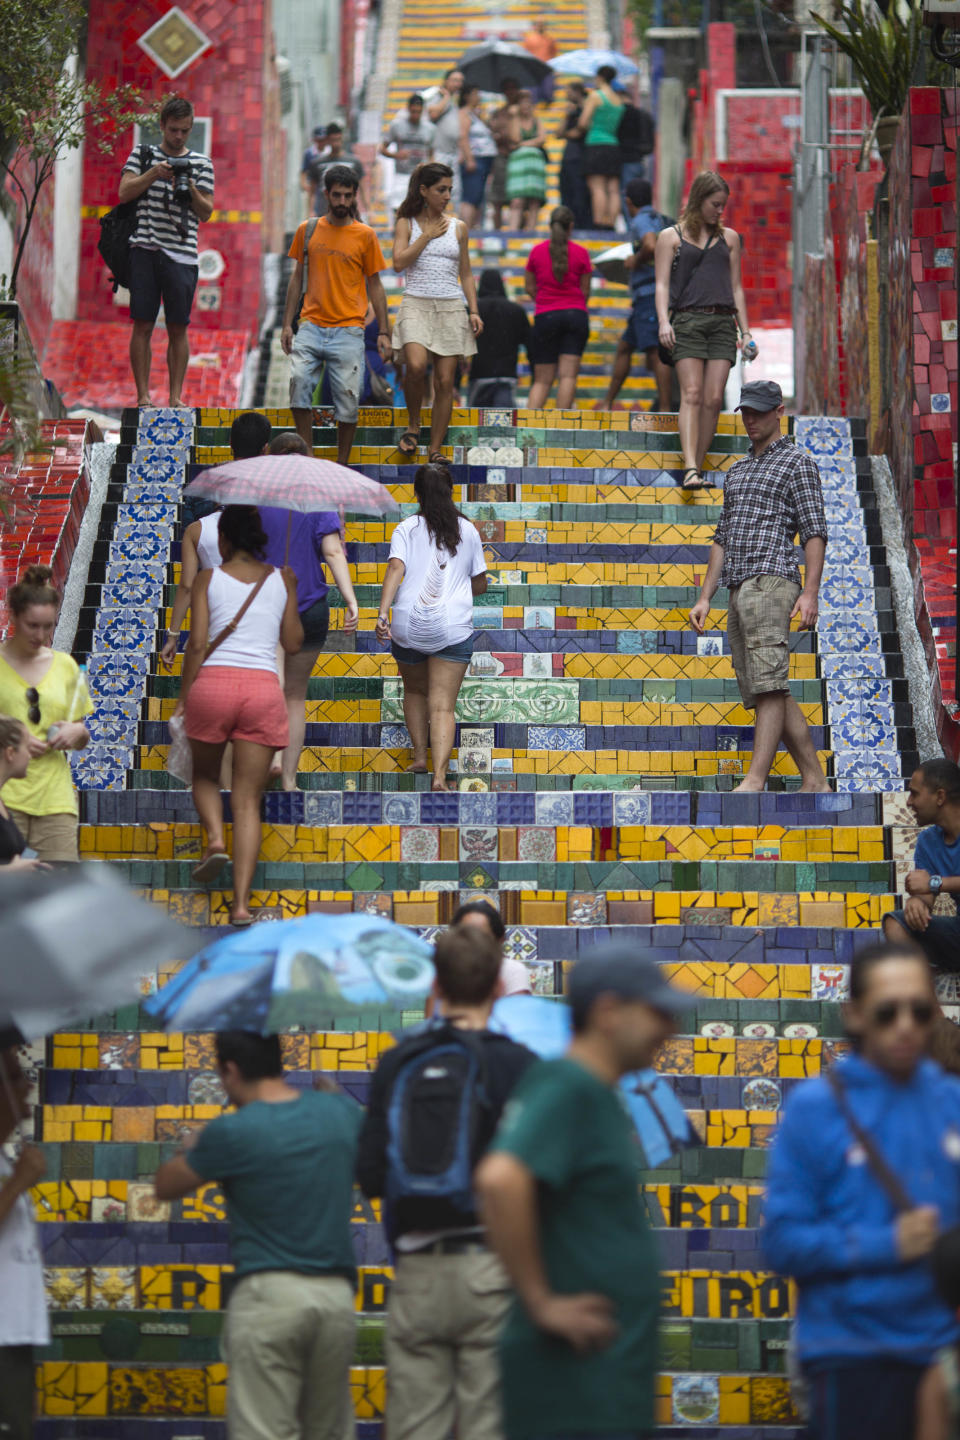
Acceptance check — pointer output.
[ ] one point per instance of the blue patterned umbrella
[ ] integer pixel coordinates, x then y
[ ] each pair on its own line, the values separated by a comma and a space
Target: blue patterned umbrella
588, 62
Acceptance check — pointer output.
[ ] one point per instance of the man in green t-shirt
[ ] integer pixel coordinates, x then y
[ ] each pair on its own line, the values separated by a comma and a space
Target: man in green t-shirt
560, 1196
284, 1161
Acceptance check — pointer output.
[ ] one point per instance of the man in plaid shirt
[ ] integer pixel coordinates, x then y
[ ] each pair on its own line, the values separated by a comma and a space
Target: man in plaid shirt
768, 498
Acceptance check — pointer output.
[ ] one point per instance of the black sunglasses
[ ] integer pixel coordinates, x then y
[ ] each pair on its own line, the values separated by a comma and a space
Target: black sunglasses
921, 1010
33, 703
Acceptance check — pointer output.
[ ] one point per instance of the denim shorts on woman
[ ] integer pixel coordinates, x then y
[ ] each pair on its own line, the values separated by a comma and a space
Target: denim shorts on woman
704, 337
556, 333
474, 182
460, 653
316, 622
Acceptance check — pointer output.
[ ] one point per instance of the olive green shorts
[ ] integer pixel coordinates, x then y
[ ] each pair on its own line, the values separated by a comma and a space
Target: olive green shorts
704, 337
758, 630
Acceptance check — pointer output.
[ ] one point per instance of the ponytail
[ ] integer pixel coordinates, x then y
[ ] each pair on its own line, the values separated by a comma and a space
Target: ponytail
561, 223
433, 487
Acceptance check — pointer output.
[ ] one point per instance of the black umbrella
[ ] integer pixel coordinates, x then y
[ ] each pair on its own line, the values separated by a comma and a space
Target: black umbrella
490, 63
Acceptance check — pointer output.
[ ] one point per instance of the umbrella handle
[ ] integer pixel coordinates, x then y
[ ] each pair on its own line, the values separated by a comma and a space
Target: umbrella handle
286, 553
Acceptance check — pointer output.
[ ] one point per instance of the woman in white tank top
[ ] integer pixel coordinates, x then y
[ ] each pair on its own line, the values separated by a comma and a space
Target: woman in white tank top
230, 690
433, 323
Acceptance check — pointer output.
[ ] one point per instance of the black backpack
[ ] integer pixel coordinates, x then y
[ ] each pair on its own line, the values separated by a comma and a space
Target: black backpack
116, 232
636, 131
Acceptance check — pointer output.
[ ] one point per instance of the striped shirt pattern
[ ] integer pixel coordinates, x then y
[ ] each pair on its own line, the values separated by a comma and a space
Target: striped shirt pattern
163, 223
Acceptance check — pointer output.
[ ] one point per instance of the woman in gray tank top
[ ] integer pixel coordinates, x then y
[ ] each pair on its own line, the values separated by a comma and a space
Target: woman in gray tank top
700, 304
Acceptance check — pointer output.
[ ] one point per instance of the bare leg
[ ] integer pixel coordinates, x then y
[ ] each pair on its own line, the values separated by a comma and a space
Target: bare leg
612, 184
140, 358
664, 374
516, 214
297, 671
178, 353
799, 743
206, 791
621, 369
714, 381
251, 767
445, 679
540, 389
414, 679
767, 734
414, 383
597, 185
468, 214
568, 368
690, 375
303, 420
346, 429
444, 373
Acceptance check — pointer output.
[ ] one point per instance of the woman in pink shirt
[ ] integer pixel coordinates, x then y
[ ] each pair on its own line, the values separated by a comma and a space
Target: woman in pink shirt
558, 279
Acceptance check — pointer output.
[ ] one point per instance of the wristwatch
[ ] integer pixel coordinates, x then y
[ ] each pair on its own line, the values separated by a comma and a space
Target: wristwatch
936, 884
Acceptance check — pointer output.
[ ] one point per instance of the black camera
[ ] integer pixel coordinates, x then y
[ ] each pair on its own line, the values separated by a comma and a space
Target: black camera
181, 180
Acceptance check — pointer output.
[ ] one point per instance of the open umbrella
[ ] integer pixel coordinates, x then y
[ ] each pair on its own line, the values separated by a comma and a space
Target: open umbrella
493, 61
544, 1027
610, 264
76, 943
588, 62
292, 482
323, 972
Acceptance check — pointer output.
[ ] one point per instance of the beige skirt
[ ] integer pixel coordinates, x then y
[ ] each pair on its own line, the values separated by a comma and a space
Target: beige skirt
440, 326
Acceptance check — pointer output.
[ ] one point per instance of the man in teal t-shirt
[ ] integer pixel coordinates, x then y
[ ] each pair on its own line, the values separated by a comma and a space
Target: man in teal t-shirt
285, 1162
559, 1193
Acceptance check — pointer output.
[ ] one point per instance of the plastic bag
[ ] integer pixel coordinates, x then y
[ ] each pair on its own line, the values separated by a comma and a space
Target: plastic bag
179, 756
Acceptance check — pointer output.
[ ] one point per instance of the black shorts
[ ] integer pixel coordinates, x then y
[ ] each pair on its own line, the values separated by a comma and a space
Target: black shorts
875, 1398
316, 622
155, 277
558, 332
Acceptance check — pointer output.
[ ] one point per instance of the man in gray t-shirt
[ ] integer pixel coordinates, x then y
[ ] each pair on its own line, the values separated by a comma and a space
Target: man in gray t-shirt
408, 142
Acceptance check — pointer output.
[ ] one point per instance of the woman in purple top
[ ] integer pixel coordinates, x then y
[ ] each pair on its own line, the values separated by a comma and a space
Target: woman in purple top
314, 542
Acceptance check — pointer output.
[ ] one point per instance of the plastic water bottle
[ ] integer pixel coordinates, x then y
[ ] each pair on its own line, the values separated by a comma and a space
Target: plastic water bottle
74, 709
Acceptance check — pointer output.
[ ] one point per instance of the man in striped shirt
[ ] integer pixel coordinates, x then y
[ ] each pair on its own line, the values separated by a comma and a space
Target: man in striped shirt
163, 250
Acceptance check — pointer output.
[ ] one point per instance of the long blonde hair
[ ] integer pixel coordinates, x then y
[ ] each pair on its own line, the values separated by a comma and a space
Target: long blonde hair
708, 182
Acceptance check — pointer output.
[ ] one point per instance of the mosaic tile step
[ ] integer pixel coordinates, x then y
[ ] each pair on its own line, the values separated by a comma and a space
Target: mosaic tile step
601, 653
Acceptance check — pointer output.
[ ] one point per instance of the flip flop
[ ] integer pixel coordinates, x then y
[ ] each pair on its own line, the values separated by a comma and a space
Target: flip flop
408, 449
210, 866
241, 924
437, 457
690, 488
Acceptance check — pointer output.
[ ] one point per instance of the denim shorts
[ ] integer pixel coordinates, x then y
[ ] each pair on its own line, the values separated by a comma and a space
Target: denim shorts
642, 332
940, 940
474, 182
341, 350
461, 653
316, 622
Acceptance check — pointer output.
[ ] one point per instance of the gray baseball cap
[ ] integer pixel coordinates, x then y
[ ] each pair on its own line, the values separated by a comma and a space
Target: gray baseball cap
627, 971
760, 395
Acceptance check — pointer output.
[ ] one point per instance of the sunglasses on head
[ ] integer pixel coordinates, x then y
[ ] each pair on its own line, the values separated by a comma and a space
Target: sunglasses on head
885, 1015
33, 704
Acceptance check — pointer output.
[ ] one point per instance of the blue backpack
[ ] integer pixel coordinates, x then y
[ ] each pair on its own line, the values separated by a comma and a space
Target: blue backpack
436, 1101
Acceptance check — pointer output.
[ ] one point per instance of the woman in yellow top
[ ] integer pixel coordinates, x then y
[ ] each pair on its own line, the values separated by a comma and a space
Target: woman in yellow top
44, 689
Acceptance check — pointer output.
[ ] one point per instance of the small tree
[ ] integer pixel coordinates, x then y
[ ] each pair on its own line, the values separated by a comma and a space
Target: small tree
45, 108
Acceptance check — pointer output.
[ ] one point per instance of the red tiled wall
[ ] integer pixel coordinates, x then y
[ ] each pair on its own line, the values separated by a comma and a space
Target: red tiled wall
35, 279
233, 82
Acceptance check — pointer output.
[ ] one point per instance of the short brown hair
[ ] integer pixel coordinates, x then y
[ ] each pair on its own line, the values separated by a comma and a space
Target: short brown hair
288, 442
467, 962
176, 108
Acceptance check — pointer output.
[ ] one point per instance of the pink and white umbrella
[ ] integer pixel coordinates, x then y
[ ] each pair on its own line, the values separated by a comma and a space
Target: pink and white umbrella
292, 482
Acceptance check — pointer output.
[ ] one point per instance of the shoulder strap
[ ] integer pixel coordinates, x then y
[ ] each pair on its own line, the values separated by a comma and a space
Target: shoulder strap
311, 226
146, 155
229, 628
693, 267
891, 1182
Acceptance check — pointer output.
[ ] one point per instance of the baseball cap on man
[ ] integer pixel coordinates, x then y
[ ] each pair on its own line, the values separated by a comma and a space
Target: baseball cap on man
628, 972
760, 395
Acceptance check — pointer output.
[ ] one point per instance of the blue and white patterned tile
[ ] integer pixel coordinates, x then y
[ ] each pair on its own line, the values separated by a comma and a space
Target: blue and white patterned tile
631, 807
126, 630
160, 514
637, 642
138, 591
114, 724
859, 690
553, 807
394, 736
858, 574
139, 542
401, 809
846, 549
322, 807
159, 463
139, 490
166, 427
500, 419
866, 730
522, 943
478, 808
840, 594
836, 472
841, 707
118, 675
556, 737
866, 770
848, 633
835, 664
823, 435
101, 767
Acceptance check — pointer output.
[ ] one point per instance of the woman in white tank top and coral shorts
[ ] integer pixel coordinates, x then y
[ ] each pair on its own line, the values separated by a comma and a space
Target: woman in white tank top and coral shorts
438, 319
232, 693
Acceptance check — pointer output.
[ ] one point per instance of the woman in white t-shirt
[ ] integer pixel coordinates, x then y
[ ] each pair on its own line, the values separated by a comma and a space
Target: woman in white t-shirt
230, 690
436, 566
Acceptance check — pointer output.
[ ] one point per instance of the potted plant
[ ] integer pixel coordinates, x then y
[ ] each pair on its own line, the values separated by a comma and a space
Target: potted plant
885, 52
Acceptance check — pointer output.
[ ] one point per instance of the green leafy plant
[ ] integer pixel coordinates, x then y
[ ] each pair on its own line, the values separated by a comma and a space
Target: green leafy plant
886, 51
21, 419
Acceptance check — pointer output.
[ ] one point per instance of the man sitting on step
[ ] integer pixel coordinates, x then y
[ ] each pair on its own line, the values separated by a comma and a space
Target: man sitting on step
435, 1102
933, 797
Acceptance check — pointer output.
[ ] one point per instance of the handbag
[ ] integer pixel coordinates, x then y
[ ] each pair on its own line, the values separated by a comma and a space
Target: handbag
666, 355
381, 391
179, 754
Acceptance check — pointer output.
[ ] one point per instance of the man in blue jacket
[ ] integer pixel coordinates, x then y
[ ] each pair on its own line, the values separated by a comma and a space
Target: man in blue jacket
869, 1321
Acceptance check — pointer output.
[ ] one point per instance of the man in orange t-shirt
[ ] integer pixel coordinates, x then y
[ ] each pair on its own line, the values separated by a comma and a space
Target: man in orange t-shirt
541, 43
344, 261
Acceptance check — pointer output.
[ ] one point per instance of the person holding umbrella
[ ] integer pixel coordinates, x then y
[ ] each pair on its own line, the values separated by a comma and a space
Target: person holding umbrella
436, 566
600, 124
432, 324
230, 691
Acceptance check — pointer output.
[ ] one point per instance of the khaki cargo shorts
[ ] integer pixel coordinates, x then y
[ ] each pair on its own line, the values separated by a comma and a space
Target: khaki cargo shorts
758, 629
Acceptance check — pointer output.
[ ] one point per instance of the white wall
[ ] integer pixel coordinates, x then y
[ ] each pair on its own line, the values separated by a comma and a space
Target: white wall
67, 199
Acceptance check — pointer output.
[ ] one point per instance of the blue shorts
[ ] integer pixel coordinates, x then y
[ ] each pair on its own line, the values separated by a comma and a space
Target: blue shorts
341, 350
474, 182
460, 653
642, 332
940, 940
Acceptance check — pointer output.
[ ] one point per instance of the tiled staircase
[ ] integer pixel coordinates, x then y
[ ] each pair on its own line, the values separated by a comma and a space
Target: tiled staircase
597, 750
